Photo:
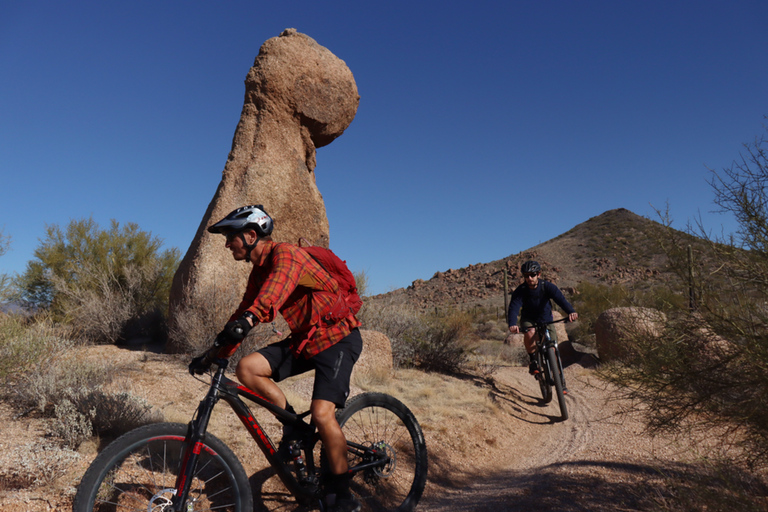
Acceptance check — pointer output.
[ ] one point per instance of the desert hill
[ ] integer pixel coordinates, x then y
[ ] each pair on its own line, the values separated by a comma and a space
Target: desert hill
617, 246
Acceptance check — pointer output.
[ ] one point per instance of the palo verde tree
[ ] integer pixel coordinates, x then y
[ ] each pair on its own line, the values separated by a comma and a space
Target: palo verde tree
708, 369
109, 283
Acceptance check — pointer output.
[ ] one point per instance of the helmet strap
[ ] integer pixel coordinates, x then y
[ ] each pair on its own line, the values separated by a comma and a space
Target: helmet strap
248, 247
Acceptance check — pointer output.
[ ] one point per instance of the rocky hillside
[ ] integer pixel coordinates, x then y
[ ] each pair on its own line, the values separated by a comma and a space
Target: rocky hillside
614, 247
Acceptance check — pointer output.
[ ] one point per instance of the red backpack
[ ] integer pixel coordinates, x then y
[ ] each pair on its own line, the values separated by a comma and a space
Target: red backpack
348, 300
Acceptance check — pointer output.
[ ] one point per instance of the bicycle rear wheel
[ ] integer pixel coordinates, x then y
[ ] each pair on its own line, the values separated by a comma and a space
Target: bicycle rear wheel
557, 375
384, 423
545, 384
138, 471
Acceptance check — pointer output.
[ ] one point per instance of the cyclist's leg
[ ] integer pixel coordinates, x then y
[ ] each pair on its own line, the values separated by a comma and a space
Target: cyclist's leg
260, 370
529, 341
255, 373
333, 368
324, 418
529, 335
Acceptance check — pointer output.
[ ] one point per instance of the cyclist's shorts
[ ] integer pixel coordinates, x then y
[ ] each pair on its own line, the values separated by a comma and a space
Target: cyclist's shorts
333, 366
527, 324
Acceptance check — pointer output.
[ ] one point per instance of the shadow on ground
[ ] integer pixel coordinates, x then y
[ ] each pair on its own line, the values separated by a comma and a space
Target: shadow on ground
607, 486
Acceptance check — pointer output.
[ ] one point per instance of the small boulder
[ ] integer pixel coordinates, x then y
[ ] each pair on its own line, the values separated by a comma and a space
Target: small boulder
614, 327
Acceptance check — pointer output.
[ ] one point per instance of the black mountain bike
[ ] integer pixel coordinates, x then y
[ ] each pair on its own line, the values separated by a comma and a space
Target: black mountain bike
174, 467
550, 367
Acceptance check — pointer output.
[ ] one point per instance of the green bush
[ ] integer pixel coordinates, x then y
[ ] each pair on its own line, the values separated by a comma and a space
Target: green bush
111, 284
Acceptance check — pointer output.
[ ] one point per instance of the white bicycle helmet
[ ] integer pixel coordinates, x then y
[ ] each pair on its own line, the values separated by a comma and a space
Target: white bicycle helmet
246, 217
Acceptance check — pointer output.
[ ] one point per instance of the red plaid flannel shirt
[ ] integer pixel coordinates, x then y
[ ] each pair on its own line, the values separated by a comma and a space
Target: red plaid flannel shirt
288, 280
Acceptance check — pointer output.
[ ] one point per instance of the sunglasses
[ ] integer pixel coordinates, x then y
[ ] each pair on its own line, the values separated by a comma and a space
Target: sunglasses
531, 275
231, 236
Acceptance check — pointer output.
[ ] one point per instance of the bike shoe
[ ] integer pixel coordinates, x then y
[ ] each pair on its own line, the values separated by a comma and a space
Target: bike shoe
290, 434
345, 504
533, 368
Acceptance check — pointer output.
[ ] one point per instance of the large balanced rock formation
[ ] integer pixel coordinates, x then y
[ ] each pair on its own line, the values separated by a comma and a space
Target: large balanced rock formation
298, 97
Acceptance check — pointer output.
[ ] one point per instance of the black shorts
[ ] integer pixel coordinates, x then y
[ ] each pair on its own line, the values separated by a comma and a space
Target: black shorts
333, 366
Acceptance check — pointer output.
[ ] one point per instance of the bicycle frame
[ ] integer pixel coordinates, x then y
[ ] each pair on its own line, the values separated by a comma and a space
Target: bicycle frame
222, 388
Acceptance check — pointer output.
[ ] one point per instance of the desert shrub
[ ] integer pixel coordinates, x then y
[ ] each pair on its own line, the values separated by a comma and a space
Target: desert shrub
713, 484
42, 375
444, 345
200, 317
82, 413
71, 426
709, 370
23, 343
49, 382
57, 384
361, 281
594, 299
112, 312
27, 344
35, 464
392, 316
491, 330
117, 278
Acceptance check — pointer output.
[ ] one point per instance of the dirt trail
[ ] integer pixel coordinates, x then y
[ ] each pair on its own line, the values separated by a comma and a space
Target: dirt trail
593, 461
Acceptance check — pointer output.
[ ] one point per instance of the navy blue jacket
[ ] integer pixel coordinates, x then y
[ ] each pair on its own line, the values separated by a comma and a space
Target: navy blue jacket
535, 302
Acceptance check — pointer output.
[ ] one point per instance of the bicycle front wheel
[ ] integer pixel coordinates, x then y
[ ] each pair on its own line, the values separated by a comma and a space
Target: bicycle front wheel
557, 375
138, 471
382, 422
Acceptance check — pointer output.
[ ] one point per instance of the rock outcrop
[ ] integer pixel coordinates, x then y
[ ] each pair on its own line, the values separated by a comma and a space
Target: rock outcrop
376, 359
298, 97
614, 327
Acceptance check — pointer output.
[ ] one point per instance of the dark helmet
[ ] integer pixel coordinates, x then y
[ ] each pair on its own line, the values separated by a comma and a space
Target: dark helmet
530, 267
246, 217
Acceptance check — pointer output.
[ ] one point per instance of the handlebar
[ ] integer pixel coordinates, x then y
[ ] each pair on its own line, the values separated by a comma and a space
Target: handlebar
565, 319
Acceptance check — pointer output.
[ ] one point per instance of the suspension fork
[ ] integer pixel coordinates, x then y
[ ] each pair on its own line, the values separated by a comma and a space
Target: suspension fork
544, 342
193, 443
546, 345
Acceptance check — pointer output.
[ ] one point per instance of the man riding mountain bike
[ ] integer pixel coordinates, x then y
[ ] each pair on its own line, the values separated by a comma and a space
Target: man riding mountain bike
286, 279
532, 301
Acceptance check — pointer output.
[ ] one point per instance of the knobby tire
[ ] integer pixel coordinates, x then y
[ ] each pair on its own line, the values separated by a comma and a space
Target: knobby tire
138, 471
557, 376
381, 421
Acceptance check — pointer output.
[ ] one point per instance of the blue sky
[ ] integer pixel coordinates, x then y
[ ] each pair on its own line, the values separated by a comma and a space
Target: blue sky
484, 128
